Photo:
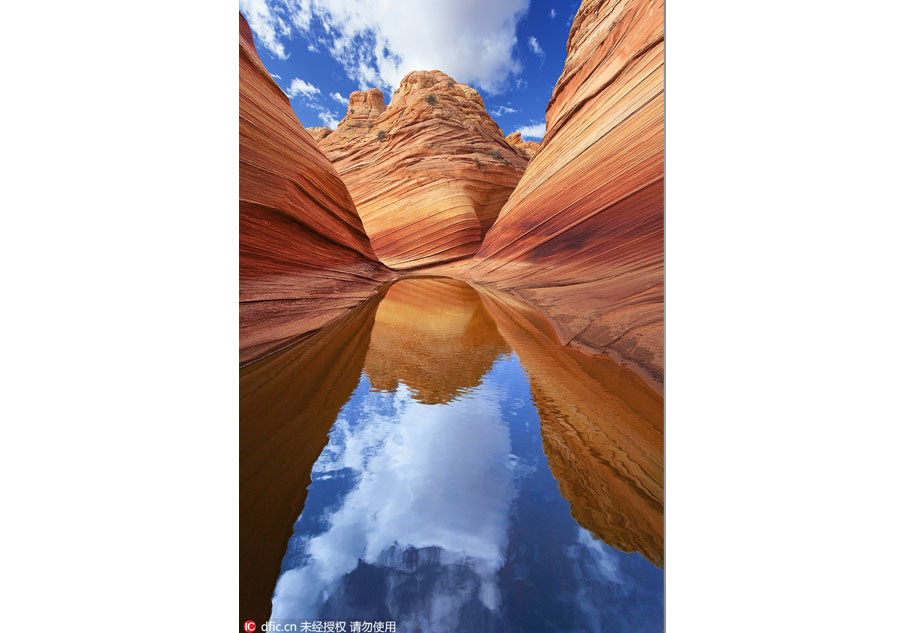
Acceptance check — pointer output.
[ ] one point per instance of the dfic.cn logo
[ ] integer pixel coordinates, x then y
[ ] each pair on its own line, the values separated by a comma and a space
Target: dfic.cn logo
249, 626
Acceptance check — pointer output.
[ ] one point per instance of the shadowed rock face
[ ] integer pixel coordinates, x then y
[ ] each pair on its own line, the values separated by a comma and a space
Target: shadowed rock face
525, 148
602, 429
428, 173
434, 335
581, 237
304, 256
288, 402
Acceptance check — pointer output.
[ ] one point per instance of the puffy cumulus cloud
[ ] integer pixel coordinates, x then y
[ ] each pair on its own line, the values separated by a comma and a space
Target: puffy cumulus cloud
535, 131
535, 46
337, 96
329, 119
300, 87
378, 43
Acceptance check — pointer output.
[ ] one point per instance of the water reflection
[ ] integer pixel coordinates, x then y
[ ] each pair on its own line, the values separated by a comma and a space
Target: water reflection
434, 335
434, 504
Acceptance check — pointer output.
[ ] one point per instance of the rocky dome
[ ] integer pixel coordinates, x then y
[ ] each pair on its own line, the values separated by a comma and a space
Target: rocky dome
428, 173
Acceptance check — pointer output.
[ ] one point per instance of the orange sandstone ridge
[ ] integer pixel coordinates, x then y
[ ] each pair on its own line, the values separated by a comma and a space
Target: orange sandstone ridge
581, 237
525, 148
304, 256
428, 173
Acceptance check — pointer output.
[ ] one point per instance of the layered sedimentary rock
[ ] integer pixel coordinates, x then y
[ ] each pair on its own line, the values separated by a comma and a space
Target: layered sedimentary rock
602, 430
318, 133
428, 173
525, 148
304, 256
582, 235
434, 335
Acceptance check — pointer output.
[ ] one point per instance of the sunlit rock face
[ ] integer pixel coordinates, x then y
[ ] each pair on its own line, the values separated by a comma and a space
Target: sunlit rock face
581, 237
428, 173
304, 256
602, 429
434, 335
525, 148
318, 133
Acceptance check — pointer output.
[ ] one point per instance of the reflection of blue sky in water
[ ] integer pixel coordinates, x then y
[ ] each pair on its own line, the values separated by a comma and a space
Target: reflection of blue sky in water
447, 518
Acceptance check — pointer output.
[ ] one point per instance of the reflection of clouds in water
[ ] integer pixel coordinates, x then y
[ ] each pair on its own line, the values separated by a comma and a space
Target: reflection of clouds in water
596, 556
425, 476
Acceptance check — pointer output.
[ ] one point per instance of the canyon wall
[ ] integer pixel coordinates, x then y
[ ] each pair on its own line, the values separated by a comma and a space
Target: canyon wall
428, 173
581, 237
304, 256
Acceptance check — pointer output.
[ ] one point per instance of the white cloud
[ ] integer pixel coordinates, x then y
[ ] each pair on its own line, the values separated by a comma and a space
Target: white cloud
379, 42
312, 48
552, 13
329, 119
535, 131
403, 460
501, 110
534, 46
300, 87
267, 27
274, 76
337, 96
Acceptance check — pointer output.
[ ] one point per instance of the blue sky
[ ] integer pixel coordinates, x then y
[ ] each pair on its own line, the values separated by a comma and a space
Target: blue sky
319, 51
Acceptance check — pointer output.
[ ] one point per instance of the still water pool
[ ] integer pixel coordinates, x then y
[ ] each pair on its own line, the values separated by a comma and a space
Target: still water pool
475, 476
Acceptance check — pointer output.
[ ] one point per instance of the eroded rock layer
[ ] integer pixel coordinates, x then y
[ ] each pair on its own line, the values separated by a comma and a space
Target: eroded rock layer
525, 148
429, 173
304, 256
318, 133
581, 237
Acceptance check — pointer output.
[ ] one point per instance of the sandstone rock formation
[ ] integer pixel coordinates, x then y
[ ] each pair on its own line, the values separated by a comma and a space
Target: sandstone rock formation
304, 256
582, 235
525, 148
428, 173
318, 133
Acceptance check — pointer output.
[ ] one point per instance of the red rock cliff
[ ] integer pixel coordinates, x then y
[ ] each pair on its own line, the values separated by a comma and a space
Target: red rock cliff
581, 237
428, 173
304, 256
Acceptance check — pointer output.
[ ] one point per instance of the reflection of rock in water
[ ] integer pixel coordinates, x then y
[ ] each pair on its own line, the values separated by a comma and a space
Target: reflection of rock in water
602, 431
434, 335
288, 401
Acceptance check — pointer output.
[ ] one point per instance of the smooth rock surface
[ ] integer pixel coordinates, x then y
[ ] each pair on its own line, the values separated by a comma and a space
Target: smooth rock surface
581, 237
304, 256
428, 173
